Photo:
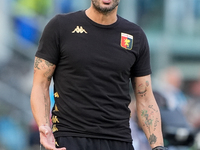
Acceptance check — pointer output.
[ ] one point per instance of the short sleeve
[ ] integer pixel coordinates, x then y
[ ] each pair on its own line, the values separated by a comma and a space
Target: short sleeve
48, 48
142, 65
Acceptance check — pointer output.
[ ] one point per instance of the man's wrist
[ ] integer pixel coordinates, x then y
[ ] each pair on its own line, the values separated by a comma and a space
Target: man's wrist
159, 148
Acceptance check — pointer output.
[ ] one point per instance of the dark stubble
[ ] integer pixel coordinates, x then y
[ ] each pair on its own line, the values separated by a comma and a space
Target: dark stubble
105, 10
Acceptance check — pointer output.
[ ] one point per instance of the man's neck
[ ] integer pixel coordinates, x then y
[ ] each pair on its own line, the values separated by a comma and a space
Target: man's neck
101, 18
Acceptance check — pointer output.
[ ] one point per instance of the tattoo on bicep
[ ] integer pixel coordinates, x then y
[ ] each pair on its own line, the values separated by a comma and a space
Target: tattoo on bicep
48, 74
37, 62
142, 89
48, 63
152, 139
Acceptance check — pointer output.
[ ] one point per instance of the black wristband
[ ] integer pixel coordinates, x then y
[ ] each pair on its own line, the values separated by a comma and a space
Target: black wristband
159, 148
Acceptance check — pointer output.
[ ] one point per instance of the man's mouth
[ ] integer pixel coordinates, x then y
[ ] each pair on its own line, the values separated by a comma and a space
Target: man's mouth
107, 1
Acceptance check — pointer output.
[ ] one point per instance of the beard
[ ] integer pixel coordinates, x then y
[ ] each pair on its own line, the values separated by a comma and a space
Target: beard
105, 10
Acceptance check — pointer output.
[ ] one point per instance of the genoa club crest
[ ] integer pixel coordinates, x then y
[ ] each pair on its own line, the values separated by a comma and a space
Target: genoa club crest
126, 41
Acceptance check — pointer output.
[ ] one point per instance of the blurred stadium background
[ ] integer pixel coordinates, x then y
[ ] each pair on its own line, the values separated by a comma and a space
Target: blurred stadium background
172, 28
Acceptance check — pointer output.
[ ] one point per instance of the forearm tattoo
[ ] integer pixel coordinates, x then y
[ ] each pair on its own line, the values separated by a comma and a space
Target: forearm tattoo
46, 109
150, 122
152, 139
149, 114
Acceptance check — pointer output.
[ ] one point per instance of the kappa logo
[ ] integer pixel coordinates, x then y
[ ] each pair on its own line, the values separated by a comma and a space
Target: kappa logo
56, 143
55, 119
56, 95
79, 30
54, 129
55, 108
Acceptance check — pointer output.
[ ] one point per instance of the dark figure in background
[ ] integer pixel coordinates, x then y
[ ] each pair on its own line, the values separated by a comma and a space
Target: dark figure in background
193, 108
92, 55
34, 138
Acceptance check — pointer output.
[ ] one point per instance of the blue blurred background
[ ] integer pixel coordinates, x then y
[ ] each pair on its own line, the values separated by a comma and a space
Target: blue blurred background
173, 30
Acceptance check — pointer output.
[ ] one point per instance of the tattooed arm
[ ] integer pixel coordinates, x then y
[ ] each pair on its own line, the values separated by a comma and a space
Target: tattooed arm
40, 100
147, 110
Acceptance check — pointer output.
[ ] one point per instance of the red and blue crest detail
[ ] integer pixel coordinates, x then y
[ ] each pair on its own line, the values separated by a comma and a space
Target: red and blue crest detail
126, 41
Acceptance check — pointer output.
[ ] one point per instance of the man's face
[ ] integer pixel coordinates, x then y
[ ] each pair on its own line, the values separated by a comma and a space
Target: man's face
105, 6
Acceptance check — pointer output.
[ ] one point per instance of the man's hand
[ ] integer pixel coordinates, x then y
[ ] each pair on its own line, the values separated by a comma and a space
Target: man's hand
47, 139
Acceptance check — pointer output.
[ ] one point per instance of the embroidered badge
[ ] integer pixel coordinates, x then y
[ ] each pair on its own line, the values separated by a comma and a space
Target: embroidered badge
126, 41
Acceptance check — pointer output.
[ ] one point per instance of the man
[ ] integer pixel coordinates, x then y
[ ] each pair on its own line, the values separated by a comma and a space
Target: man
91, 55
